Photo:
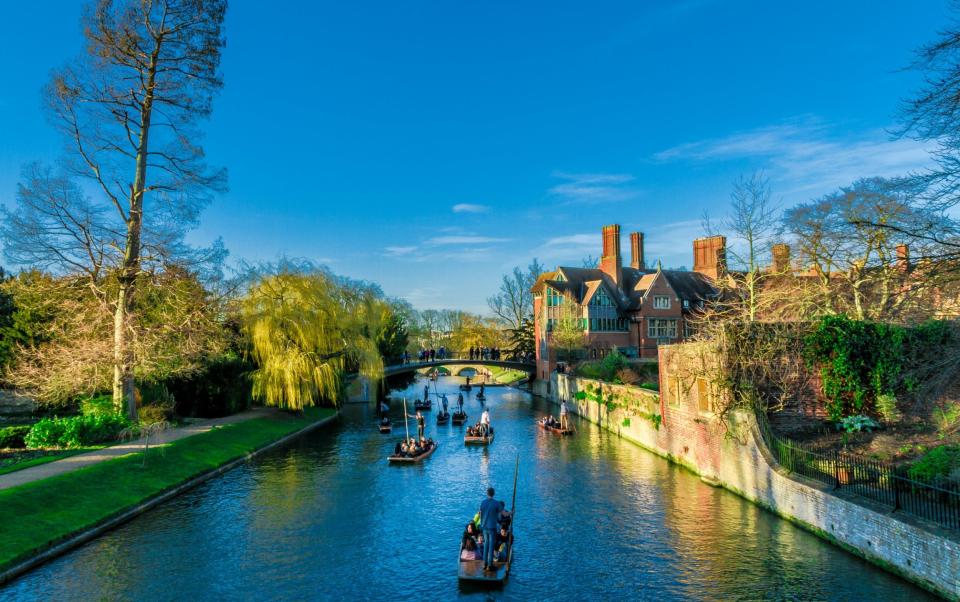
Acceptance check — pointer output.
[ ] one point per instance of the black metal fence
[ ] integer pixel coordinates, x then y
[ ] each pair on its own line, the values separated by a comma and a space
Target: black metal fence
937, 501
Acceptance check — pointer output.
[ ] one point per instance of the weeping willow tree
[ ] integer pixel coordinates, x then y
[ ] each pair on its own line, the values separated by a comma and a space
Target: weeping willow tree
307, 329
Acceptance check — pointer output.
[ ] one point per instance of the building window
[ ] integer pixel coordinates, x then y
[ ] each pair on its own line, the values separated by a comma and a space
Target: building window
686, 304
675, 393
688, 329
554, 298
601, 299
658, 328
704, 395
661, 302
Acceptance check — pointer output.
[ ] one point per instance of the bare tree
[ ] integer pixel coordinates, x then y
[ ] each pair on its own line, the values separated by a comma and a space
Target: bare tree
849, 240
130, 108
514, 301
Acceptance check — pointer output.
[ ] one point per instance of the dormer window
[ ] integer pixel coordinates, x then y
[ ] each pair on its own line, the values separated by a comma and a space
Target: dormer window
661, 302
686, 304
601, 299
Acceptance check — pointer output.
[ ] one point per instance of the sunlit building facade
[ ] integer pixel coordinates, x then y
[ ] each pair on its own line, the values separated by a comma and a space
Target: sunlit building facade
632, 309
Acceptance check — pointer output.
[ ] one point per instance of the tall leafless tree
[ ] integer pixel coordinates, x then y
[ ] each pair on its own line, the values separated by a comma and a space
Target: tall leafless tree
130, 106
514, 302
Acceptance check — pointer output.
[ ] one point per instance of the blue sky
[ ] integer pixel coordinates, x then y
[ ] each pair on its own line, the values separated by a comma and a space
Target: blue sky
431, 146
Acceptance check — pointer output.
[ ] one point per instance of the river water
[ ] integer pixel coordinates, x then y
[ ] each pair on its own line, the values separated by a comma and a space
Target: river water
327, 518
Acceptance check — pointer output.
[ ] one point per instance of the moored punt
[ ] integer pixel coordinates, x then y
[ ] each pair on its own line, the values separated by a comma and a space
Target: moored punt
459, 417
470, 440
555, 429
414, 459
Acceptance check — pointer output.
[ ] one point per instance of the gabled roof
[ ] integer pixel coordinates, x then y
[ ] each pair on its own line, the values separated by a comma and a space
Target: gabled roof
581, 285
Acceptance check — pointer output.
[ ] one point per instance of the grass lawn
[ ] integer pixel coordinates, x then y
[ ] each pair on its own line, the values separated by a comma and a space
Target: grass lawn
13, 465
506, 375
38, 514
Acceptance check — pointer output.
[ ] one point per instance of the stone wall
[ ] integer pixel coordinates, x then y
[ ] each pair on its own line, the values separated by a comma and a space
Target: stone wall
679, 424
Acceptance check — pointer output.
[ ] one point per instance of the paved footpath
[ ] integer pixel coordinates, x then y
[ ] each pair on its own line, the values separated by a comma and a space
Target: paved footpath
58, 467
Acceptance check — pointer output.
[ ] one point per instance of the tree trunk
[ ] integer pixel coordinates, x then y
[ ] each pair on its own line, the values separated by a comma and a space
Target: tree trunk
124, 387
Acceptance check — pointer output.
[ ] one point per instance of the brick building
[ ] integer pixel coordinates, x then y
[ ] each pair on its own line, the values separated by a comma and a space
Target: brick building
629, 308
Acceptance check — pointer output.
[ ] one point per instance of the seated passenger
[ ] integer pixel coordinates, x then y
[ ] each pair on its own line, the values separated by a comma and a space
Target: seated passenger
398, 449
469, 550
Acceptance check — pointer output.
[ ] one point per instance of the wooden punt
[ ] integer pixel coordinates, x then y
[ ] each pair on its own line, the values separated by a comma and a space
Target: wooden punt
424, 404
443, 417
466, 387
459, 418
481, 397
386, 428
471, 571
415, 459
556, 430
479, 440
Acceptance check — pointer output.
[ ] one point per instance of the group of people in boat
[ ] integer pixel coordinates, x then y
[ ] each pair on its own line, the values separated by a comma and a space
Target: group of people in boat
563, 423
411, 448
482, 428
487, 536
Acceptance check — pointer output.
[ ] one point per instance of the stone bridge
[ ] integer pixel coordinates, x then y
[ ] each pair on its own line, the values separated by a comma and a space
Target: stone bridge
462, 363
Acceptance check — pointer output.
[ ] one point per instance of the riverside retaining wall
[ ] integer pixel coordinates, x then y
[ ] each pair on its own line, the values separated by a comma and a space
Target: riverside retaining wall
680, 426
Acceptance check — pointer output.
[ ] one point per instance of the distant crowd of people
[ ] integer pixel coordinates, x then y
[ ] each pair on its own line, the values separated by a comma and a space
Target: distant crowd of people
485, 353
474, 353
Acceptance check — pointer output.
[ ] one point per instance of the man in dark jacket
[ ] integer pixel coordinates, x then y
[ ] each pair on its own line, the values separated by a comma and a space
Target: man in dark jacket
490, 511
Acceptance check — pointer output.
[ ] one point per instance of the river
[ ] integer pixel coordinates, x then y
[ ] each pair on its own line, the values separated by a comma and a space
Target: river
327, 518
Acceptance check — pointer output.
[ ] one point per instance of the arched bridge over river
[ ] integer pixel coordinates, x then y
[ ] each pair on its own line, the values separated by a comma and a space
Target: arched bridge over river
529, 367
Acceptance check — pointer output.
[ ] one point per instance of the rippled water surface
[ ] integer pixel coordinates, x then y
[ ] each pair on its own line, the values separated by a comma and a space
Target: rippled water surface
327, 518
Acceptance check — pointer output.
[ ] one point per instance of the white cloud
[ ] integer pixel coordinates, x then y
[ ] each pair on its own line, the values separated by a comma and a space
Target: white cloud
593, 188
470, 208
399, 251
806, 157
464, 240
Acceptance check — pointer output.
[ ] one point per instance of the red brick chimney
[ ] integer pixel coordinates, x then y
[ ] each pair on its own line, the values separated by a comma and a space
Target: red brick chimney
710, 256
610, 262
636, 251
781, 258
903, 257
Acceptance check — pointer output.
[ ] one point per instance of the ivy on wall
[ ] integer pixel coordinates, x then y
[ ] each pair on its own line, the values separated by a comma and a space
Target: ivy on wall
632, 406
860, 361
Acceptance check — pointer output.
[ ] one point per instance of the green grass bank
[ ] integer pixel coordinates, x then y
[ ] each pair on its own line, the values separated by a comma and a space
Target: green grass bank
37, 517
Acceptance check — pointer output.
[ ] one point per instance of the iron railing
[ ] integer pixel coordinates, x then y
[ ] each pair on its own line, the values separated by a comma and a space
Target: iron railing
935, 500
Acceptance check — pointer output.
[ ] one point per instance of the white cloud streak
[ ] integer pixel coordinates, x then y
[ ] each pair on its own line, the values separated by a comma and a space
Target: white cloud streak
593, 188
470, 208
806, 157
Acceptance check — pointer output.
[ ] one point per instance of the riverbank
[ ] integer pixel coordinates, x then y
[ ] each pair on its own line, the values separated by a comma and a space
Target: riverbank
681, 429
40, 522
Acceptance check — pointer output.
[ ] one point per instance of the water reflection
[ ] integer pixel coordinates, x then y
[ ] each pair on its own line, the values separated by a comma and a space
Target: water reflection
328, 518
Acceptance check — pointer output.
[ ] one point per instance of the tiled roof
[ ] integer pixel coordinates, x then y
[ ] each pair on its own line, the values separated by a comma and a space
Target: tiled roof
582, 283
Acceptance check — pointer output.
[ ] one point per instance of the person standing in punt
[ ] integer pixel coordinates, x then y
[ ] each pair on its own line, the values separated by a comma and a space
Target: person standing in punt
485, 422
490, 510
563, 415
421, 423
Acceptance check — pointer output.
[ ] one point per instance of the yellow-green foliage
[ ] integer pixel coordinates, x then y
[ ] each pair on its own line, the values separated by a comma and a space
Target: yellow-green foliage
307, 329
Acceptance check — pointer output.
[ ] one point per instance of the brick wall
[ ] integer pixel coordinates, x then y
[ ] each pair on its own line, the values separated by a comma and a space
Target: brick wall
731, 456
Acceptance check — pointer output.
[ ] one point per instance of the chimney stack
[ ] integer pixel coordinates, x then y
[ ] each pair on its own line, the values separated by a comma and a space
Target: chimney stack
781, 258
610, 261
710, 256
903, 257
636, 251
